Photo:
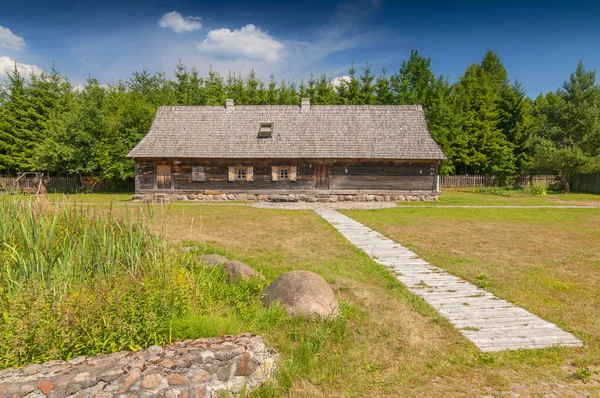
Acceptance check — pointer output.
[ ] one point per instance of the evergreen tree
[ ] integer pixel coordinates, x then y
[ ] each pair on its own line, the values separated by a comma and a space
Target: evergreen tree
518, 124
415, 83
271, 95
324, 93
235, 89
215, 89
481, 147
254, 90
188, 86
383, 92
367, 88
569, 141
13, 120
349, 89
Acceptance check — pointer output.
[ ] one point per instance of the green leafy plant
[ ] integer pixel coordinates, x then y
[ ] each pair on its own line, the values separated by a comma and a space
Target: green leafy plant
538, 190
482, 282
583, 373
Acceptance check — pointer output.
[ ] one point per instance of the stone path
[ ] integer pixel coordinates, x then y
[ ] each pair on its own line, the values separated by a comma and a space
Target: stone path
490, 323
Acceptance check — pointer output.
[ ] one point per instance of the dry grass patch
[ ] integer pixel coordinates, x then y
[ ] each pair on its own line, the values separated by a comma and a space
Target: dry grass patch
545, 260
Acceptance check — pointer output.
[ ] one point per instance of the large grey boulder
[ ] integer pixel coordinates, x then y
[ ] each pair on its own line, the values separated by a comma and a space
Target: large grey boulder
302, 293
212, 259
236, 270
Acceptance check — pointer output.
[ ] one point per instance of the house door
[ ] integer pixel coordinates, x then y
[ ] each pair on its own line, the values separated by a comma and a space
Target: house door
322, 176
163, 176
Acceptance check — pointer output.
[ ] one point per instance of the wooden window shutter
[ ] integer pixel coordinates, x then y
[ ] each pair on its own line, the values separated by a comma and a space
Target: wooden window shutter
250, 173
275, 173
198, 173
231, 173
293, 172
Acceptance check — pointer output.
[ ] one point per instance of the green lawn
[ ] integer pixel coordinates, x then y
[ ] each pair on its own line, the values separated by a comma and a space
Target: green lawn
505, 197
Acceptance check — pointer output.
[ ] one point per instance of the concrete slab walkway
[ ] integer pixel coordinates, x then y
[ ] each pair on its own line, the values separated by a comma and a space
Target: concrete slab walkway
492, 324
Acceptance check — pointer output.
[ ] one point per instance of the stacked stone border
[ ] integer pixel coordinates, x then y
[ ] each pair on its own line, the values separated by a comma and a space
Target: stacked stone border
292, 197
200, 368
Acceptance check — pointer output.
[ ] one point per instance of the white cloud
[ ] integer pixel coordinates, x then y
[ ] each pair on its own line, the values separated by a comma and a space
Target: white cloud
247, 42
9, 40
338, 81
7, 65
175, 21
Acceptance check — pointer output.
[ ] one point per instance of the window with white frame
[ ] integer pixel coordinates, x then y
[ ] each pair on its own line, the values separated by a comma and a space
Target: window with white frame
241, 173
284, 173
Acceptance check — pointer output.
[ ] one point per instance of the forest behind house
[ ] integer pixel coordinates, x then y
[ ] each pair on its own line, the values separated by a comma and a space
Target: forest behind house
485, 123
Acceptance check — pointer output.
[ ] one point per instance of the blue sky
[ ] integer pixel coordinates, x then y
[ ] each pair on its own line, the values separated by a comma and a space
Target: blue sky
539, 42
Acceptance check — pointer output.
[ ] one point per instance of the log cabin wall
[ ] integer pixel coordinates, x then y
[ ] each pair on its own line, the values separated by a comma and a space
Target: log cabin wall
356, 174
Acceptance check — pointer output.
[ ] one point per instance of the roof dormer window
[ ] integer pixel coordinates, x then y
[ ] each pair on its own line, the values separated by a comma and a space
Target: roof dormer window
266, 130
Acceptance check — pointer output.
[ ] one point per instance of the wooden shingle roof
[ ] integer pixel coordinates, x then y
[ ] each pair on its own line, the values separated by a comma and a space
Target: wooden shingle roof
317, 131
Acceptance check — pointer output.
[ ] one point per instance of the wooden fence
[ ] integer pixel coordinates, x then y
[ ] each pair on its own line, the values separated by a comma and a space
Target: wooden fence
586, 183
468, 181
56, 183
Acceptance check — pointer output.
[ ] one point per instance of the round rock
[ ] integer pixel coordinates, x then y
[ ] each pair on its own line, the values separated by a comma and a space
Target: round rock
302, 293
236, 270
212, 259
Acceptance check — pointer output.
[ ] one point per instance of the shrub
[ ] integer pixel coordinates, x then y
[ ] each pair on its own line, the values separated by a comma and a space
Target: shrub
538, 190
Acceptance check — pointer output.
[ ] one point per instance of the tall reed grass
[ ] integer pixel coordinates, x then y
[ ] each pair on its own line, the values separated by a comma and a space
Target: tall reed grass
50, 246
77, 282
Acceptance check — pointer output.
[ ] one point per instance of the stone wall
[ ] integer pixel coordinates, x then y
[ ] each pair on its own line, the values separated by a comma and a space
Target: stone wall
200, 369
321, 197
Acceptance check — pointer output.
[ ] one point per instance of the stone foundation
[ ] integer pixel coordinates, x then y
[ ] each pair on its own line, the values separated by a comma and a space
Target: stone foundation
200, 369
314, 197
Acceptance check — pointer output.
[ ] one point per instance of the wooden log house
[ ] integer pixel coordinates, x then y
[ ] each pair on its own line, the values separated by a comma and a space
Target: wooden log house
351, 150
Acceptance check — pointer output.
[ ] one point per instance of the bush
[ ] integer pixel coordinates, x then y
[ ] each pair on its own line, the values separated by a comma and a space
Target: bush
538, 190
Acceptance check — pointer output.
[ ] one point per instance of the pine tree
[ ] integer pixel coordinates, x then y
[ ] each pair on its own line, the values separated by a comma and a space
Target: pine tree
481, 147
254, 89
271, 95
324, 93
415, 83
569, 141
383, 92
215, 89
188, 86
367, 88
518, 124
13, 118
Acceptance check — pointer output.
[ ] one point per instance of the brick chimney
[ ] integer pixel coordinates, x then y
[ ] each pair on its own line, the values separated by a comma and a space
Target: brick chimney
305, 107
229, 108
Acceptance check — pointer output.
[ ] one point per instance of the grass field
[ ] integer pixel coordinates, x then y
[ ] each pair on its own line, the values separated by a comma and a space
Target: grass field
508, 197
394, 344
543, 259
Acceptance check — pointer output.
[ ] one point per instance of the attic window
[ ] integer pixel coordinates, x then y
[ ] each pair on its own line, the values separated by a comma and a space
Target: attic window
266, 130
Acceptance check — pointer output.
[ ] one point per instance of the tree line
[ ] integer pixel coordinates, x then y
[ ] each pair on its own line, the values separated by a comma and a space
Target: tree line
484, 123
